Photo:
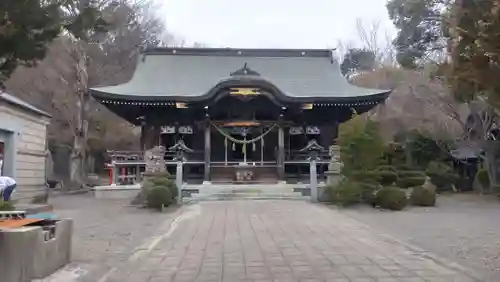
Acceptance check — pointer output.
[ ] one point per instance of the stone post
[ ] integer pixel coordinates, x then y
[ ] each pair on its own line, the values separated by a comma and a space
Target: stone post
281, 153
178, 181
208, 137
313, 148
313, 178
180, 150
114, 174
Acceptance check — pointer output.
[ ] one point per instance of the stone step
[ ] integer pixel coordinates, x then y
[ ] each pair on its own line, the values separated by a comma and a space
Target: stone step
246, 196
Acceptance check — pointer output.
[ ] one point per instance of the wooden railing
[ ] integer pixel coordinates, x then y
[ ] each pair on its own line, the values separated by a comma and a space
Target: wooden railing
133, 157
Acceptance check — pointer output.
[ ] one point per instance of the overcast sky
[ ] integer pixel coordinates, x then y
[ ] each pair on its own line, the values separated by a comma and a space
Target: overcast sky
273, 23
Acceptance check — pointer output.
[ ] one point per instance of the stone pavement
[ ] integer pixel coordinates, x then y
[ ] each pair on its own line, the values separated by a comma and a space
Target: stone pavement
458, 228
277, 241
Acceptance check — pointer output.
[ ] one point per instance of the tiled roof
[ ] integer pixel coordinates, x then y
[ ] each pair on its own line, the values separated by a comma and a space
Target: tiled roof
176, 72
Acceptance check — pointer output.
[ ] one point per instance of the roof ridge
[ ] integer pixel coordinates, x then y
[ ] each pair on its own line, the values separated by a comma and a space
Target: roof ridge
234, 52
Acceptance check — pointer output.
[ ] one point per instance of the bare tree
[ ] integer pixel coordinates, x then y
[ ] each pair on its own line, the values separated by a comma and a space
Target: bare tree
481, 137
72, 66
417, 102
370, 38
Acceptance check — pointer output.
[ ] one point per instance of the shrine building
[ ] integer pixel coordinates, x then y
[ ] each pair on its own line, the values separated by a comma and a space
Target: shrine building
251, 108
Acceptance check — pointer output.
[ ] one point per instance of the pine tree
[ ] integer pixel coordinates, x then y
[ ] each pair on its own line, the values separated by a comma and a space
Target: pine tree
28, 26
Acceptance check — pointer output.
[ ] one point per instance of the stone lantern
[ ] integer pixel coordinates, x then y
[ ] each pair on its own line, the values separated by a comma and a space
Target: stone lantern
180, 150
313, 149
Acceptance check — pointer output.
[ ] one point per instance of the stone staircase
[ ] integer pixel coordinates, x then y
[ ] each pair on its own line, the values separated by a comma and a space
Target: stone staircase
219, 192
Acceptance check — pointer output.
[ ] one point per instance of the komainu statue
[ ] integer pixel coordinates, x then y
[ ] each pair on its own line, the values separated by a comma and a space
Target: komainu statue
154, 159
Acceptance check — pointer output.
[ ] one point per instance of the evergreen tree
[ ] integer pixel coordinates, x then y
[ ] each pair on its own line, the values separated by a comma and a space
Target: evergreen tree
421, 29
357, 60
28, 26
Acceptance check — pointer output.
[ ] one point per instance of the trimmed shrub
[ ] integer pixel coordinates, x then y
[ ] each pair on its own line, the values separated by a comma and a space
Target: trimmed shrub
368, 192
423, 197
483, 178
386, 168
404, 167
410, 173
158, 197
391, 198
410, 182
386, 178
163, 182
364, 176
345, 193
6, 206
443, 181
441, 175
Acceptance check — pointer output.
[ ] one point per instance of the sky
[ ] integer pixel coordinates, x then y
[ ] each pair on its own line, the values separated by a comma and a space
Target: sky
275, 23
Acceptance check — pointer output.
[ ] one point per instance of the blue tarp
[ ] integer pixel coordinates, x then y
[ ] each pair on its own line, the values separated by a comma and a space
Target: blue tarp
42, 215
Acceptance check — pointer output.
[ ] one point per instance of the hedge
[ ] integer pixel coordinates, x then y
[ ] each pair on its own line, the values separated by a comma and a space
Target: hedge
425, 197
410, 182
391, 198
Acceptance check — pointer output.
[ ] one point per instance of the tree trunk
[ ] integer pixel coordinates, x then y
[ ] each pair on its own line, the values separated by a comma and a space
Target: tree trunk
76, 165
78, 153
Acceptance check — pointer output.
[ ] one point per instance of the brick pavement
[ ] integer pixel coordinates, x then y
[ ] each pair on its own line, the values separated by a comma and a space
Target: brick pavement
278, 241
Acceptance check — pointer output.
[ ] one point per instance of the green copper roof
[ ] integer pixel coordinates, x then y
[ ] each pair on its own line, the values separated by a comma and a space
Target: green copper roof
191, 73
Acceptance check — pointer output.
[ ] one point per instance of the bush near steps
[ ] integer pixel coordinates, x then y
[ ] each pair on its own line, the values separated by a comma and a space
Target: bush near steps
391, 198
423, 196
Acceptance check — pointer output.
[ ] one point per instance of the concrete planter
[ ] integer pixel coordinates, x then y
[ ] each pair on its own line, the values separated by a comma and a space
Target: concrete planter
25, 254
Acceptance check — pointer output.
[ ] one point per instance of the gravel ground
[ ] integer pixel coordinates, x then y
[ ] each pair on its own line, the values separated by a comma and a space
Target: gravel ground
463, 228
106, 232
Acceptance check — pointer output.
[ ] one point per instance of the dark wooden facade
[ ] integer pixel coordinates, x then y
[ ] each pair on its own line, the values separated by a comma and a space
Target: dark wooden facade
238, 107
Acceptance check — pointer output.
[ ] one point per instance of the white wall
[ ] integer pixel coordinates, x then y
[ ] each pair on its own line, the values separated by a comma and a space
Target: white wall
29, 138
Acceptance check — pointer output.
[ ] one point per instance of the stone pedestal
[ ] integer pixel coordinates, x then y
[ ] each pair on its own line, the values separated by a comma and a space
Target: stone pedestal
333, 175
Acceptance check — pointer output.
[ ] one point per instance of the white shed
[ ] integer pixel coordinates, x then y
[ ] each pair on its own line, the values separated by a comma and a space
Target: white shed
23, 142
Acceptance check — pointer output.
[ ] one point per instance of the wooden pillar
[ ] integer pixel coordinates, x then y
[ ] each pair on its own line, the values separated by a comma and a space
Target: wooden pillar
281, 153
207, 153
114, 174
151, 136
138, 173
143, 136
262, 148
